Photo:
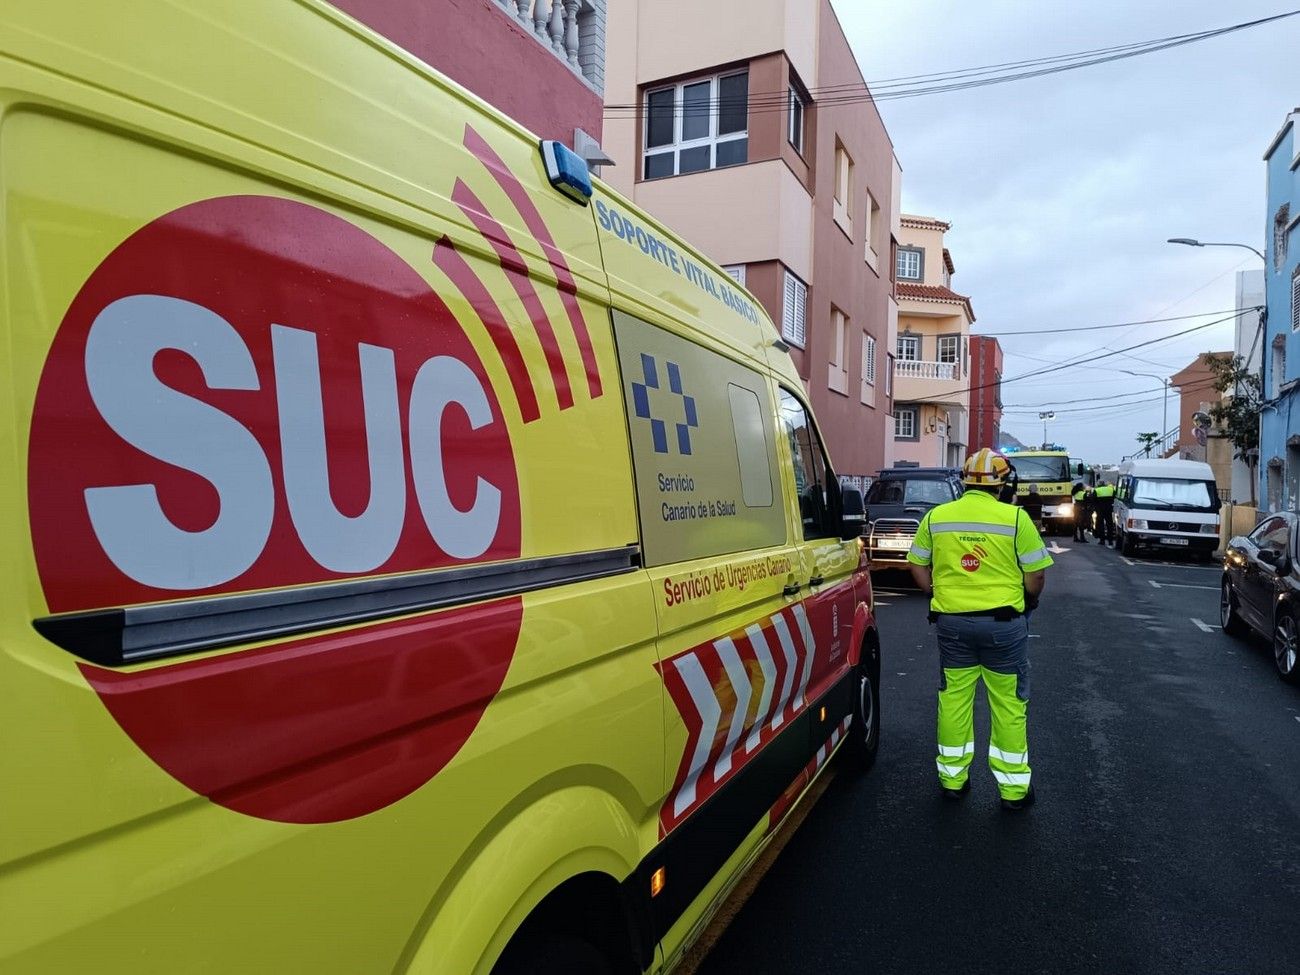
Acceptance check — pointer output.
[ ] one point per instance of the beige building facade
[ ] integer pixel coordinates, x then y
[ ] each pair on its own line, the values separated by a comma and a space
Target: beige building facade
932, 350
720, 133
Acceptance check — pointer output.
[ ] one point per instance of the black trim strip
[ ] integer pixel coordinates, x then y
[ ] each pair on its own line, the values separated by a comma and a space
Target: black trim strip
694, 852
127, 635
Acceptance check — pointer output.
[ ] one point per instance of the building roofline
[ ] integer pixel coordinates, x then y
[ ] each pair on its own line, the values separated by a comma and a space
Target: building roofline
918, 222
1281, 133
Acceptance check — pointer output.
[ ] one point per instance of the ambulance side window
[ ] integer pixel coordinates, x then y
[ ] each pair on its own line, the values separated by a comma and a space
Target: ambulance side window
818, 496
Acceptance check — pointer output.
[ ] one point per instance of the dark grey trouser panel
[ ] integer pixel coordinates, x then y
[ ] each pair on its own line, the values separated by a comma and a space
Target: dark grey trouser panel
981, 641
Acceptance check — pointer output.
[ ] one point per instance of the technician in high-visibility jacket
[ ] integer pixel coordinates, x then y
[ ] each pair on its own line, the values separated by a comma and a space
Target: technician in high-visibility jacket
1082, 511
983, 563
1104, 502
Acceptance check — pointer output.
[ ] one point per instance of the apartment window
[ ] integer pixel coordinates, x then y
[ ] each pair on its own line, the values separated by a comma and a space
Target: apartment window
1295, 299
795, 105
1280, 221
949, 347
843, 186
737, 271
909, 348
911, 263
794, 311
905, 423
873, 230
837, 373
868, 359
697, 125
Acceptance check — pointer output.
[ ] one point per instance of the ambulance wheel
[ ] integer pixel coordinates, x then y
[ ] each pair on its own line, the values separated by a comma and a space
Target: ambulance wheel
553, 954
864, 731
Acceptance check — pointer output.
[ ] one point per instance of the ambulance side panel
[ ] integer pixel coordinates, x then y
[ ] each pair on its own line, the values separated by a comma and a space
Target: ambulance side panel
231, 743
755, 620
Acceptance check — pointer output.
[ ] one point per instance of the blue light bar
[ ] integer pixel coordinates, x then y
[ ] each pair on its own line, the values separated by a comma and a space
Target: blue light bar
566, 170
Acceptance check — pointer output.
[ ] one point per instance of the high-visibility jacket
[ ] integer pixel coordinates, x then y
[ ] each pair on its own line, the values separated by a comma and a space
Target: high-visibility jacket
979, 550
1079, 493
1105, 492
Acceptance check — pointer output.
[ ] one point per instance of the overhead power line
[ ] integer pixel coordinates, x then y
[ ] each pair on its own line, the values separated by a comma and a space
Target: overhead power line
1098, 328
942, 82
1021, 412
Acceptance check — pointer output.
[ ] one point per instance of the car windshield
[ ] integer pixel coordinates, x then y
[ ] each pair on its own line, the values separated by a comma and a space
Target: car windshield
1040, 468
910, 491
1161, 492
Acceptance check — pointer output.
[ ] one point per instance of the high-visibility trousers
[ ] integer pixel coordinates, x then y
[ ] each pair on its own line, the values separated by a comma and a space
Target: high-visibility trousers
972, 648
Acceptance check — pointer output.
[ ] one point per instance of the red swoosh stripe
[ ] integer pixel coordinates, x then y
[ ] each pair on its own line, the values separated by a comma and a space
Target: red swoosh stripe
516, 270
568, 289
449, 261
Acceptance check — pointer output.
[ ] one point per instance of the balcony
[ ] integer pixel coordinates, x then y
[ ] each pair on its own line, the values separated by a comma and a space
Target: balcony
572, 30
917, 369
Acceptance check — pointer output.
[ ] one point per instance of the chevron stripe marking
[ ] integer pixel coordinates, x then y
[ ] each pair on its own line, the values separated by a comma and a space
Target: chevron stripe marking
710, 712
451, 263
739, 678
763, 653
809, 649
532, 218
791, 662
512, 263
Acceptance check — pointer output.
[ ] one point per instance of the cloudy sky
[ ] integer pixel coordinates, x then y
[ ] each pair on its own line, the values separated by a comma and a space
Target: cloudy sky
1062, 190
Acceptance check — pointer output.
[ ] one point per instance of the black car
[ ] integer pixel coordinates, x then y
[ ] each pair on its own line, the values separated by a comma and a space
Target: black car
1261, 589
897, 501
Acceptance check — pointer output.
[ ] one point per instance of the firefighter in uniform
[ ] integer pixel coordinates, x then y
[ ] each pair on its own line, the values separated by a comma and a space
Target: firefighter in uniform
1104, 499
983, 563
1082, 509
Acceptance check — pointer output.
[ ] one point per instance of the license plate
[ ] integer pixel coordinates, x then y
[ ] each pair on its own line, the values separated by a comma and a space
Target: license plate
1173, 541
893, 543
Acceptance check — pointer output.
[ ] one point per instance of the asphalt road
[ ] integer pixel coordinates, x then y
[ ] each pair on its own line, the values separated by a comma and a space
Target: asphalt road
1166, 837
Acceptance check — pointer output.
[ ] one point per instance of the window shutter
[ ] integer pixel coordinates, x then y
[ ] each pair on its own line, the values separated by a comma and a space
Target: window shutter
794, 311
801, 321
869, 365
1295, 300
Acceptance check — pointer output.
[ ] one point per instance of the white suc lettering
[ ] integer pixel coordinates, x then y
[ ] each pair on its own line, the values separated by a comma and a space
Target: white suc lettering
441, 382
177, 429
336, 541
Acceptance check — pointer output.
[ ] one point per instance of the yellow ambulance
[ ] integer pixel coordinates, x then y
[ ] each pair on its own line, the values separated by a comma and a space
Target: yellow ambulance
417, 558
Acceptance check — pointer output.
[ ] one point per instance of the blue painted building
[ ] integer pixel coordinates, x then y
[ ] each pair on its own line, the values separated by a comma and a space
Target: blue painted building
1279, 423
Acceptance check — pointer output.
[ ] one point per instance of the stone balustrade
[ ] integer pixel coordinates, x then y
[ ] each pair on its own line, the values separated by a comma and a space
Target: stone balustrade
573, 30
917, 369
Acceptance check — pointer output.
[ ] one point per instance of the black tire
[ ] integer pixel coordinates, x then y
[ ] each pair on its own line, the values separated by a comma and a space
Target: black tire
1286, 646
552, 954
863, 742
1126, 546
1229, 619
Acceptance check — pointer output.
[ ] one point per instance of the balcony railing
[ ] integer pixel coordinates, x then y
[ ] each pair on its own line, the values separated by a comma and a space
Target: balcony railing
917, 369
573, 30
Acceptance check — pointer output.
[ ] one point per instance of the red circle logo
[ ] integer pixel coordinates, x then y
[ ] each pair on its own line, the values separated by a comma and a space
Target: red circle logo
970, 562
252, 393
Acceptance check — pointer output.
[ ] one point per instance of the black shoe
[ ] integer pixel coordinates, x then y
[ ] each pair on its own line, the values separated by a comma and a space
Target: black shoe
955, 794
1024, 802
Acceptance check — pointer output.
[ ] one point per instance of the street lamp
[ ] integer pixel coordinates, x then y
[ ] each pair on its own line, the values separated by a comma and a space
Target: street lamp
1164, 383
1190, 242
1045, 417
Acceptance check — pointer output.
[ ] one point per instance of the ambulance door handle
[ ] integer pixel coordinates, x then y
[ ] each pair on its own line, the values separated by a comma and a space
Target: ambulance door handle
816, 580
792, 589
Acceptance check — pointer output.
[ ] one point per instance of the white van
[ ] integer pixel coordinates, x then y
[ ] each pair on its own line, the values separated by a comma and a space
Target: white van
1171, 504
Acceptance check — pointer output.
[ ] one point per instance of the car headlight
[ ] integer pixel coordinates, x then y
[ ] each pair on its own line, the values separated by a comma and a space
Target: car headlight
1065, 510
1210, 529
1137, 523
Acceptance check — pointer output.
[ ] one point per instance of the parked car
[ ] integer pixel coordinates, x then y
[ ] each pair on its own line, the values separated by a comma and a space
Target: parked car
1261, 589
897, 501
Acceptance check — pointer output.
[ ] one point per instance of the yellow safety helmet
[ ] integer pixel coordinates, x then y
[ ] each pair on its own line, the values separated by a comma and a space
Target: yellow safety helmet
985, 468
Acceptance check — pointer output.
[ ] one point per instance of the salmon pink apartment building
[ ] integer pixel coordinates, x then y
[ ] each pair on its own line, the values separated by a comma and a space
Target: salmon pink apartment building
727, 135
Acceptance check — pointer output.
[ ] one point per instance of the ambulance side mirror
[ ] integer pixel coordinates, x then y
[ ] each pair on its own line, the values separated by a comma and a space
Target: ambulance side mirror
853, 513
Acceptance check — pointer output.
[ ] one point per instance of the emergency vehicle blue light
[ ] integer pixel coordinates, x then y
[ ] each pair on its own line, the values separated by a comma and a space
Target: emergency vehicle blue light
566, 170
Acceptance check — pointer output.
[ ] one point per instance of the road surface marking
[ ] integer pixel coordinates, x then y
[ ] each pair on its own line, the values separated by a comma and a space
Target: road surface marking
1203, 627
1179, 585
1034, 636
1056, 549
